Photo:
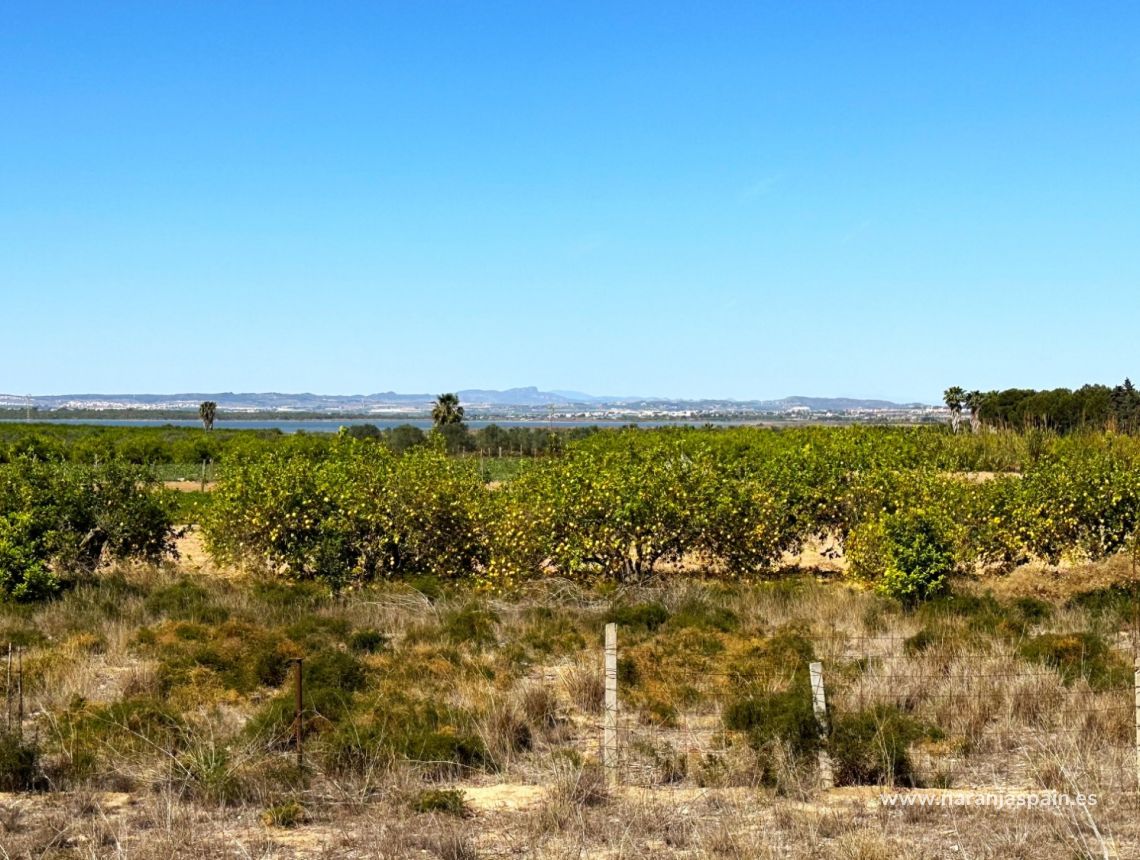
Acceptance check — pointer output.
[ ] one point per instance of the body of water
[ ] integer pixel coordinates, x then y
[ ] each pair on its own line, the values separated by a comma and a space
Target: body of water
331, 425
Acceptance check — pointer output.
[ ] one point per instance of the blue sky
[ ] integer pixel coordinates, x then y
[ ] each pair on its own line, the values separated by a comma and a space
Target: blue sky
681, 199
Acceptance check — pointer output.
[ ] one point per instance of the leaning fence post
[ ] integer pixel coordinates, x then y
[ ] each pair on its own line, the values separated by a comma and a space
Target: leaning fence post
819, 705
609, 726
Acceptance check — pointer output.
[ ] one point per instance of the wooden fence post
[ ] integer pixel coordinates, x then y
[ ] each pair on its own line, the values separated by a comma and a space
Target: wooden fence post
609, 727
819, 705
1136, 685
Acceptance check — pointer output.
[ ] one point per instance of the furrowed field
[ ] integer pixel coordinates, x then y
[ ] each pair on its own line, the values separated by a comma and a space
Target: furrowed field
971, 599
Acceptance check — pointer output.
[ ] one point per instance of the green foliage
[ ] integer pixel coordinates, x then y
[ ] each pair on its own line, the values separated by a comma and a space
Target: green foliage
442, 740
447, 411
1079, 655
334, 670
185, 601
24, 574
368, 641
984, 614
1114, 603
703, 615
621, 510
234, 655
1082, 502
776, 722
61, 519
359, 513
617, 505
1062, 410
447, 801
19, 763
872, 747
471, 625
288, 814
904, 555
638, 616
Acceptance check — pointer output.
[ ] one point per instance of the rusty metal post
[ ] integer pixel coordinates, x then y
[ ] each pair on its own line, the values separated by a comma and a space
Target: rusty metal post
8, 692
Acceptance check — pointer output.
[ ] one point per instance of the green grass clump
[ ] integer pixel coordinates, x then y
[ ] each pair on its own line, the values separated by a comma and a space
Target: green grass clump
1032, 610
334, 670
702, 615
944, 636
1116, 603
984, 614
331, 678
288, 814
235, 656
395, 726
431, 587
210, 773
1079, 655
312, 632
785, 717
785, 653
289, 596
89, 741
185, 601
548, 632
647, 617
19, 763
368, 641
447, 801
470, 625
872, 747
20, 635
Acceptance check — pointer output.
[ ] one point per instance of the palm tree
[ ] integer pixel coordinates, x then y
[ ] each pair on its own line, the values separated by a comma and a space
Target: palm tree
953, 398
447, 410
973, 401
207, 411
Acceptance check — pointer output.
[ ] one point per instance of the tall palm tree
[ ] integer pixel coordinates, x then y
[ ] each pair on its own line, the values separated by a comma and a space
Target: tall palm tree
447, 410
953, 398
973, 401
207, 411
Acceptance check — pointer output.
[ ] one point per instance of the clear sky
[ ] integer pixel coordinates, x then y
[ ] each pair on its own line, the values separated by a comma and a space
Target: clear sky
680, 199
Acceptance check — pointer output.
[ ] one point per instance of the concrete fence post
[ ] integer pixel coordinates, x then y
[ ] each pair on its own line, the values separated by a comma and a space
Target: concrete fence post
1136, 686
609, 725
819, 705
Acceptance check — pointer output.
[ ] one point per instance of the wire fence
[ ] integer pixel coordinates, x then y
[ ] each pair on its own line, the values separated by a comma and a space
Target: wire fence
874, 710
880, 712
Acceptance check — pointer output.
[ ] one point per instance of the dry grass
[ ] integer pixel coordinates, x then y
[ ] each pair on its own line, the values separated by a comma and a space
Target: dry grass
502, 698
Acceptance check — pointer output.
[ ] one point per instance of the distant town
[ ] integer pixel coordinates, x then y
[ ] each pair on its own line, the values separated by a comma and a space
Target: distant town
516, 404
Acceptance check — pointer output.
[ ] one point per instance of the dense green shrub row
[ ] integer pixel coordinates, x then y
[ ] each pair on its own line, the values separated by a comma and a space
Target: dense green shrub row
357, 513
58, 519
624, 504
91, 443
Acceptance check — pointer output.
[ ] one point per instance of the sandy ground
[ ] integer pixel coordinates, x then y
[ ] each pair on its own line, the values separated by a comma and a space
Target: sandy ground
188, 486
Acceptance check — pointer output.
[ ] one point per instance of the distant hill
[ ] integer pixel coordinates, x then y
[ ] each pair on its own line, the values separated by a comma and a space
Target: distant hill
391, 401
837, 404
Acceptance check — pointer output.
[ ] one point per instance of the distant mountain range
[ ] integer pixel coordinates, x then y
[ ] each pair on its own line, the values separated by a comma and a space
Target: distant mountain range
528, 398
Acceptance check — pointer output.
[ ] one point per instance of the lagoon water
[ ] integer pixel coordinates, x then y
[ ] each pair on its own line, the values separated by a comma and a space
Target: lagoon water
331, 425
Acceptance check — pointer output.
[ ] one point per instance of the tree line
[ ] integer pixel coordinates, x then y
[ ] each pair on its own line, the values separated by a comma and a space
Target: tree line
1061, 410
